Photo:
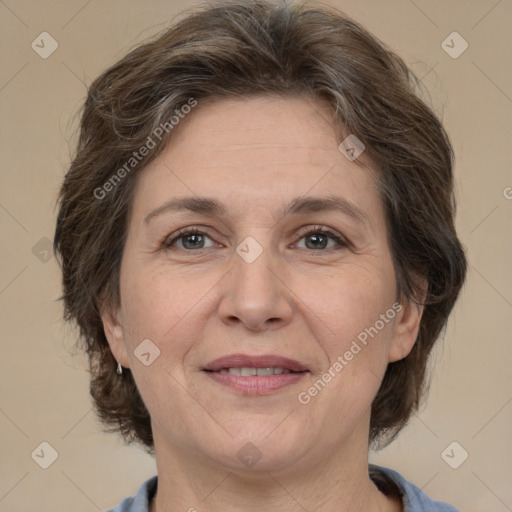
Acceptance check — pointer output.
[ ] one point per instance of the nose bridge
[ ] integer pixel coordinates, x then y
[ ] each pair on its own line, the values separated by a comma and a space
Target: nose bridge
254, 294
252, 268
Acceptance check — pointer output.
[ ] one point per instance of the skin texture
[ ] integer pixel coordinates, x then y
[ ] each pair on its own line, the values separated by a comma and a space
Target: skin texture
255, 155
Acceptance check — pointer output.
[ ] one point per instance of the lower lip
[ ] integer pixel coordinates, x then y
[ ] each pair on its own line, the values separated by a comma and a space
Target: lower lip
256, 384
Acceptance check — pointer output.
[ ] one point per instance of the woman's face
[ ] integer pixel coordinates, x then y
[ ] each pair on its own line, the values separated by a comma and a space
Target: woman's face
250, 177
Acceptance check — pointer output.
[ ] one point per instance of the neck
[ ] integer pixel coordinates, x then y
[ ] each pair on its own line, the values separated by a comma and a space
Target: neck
335, 483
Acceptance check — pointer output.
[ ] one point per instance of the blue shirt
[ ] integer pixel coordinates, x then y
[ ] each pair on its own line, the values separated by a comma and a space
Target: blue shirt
414, 499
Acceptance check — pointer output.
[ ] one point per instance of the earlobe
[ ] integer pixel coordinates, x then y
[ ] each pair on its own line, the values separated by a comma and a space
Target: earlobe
114, 333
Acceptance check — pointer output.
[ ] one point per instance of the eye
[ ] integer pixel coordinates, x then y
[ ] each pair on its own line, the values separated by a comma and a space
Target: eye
317, 238
187, 239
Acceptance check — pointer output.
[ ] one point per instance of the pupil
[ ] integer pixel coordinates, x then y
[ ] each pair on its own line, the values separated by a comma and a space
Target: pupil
317, 237
197, 238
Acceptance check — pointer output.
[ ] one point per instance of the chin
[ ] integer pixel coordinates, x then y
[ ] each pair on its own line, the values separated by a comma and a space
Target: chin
260, 453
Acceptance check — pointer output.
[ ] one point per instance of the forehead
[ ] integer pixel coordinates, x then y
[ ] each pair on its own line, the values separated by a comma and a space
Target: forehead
238, 128
260, 151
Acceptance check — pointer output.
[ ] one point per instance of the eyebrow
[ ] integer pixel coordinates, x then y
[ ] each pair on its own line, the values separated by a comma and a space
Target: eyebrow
299, 205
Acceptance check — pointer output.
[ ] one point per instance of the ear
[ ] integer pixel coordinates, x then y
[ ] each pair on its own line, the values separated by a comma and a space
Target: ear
407, 324
114, 333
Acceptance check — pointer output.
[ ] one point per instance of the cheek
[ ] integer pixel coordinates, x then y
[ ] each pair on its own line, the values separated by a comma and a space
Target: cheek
161, 305
360, 317
350, 298
347, 318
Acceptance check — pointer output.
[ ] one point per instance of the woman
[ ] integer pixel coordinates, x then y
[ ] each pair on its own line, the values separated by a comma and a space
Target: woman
258, 246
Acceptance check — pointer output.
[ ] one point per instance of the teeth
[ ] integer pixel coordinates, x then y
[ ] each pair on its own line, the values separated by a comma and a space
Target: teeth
250, 372
264, 371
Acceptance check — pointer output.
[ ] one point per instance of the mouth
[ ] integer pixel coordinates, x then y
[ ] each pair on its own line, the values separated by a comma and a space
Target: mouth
255, 375
251, 372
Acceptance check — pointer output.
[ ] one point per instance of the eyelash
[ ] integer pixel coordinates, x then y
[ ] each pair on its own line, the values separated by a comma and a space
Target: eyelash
314, 230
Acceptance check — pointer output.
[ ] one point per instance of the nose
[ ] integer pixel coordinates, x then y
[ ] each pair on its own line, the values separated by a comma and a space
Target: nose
256, 294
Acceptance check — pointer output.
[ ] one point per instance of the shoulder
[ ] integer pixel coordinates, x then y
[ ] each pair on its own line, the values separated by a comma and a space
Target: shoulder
414, 499
139, 502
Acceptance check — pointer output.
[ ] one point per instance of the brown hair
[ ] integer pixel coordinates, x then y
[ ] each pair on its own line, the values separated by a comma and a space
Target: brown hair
241, 48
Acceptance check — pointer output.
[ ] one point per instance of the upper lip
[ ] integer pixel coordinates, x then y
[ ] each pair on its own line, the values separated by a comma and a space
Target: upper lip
260, 361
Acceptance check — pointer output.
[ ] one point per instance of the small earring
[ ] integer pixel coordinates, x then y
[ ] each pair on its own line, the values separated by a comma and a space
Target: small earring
119, 368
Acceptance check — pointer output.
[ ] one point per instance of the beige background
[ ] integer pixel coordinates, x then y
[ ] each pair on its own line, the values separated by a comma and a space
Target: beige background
44, 388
